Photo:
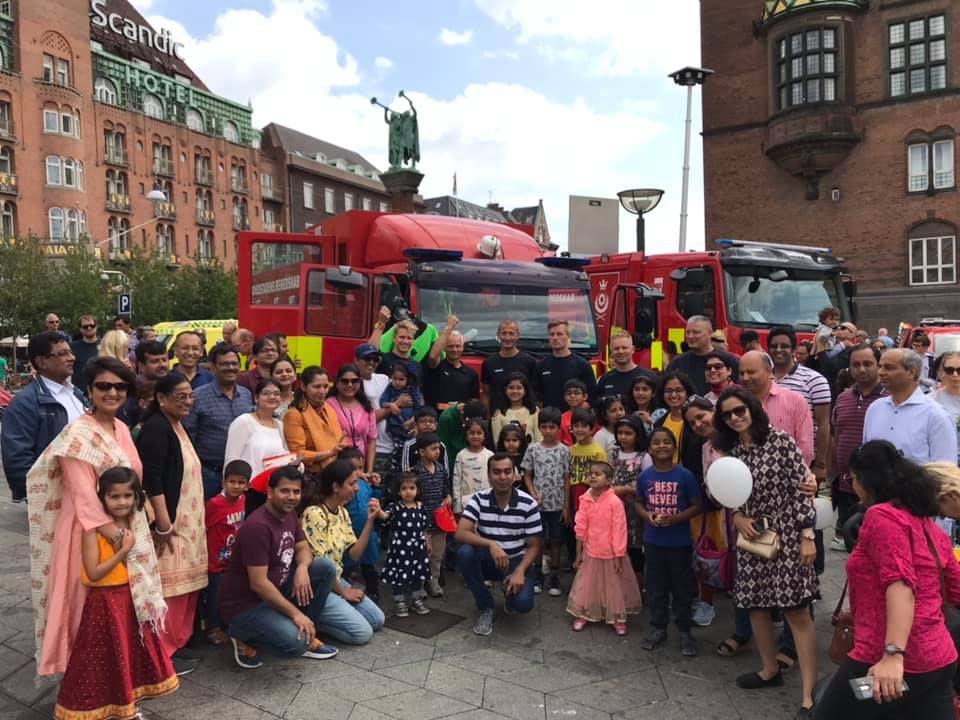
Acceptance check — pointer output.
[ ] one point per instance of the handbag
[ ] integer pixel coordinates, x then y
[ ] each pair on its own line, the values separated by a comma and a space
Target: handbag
444, 519
767, 545
951, 615
713, 567
842, 641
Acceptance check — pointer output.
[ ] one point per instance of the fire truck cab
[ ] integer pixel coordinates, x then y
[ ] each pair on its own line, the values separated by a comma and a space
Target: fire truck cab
739, 286
324, 289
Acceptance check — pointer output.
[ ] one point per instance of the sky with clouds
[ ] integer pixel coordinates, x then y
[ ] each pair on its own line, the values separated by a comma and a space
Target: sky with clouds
522, 99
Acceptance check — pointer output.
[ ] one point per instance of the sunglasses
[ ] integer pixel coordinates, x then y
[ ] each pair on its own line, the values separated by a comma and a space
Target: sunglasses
739, 412
713, 367
951, 369
88, 326
104, 386
350, 381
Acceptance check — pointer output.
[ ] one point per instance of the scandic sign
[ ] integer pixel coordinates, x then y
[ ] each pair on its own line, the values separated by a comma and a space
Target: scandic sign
160, 41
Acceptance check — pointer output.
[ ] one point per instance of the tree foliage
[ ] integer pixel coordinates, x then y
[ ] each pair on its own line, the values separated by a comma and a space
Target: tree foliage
32, 284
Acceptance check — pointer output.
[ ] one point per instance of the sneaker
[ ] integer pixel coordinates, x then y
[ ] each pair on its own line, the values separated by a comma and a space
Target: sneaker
183, 666
419, 607
400, 609
553, 586
434, 589
245, 655
16, 500
838, 544
654, 639
537, 586
484, 623
703, 613
689, 647
319, 650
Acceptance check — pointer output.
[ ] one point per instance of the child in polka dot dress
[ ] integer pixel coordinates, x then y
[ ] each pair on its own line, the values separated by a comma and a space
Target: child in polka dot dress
407, 566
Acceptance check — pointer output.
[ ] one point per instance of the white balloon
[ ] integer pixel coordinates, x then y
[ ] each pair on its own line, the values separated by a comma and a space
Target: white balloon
729, 482
824, 512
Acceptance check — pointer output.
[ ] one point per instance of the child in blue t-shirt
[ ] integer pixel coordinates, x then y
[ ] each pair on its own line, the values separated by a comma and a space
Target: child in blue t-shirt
668, 497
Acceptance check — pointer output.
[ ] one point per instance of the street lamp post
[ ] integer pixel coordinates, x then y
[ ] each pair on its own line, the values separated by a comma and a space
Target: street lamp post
687, 77
639, 202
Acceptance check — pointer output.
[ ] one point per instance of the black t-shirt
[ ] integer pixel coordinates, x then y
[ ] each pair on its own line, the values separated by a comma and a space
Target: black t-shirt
448, 384
695, 367
389, 360
615, 382
552, 373
496, 369
83, 352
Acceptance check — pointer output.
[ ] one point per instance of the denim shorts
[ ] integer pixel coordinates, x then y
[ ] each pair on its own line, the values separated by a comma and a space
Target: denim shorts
552, 525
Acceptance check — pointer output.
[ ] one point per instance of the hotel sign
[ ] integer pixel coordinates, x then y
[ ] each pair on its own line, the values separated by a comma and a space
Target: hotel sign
161, 41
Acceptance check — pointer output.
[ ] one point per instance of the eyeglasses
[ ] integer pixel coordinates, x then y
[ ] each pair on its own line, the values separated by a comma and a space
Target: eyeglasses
104, 386
62, 354
712, 367
781, 346
951, 369
349, 381
674, 391
88, 326
740, 411
183, 397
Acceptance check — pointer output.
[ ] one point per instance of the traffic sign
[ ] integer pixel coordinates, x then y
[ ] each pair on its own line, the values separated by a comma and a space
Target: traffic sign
125, 303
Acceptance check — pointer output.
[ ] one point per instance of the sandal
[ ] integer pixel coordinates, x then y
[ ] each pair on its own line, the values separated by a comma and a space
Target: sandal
579, 624
786, 660
753, 681
731, 647
620, 629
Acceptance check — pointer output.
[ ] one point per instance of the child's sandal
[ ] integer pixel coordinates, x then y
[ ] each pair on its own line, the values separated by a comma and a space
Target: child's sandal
620, 629
579, 624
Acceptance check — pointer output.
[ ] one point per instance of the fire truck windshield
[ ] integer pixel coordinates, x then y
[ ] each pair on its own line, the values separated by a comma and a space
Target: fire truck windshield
755, 300
480, 308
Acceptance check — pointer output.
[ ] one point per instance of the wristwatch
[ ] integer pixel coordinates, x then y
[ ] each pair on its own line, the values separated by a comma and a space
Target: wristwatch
891, 649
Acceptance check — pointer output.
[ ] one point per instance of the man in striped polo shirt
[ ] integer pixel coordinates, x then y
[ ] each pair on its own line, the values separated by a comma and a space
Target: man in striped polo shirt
499, 538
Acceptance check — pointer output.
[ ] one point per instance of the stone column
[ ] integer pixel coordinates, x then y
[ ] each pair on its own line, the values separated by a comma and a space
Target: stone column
403, 186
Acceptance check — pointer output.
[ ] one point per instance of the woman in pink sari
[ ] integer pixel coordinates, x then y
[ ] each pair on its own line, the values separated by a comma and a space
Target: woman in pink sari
62, 495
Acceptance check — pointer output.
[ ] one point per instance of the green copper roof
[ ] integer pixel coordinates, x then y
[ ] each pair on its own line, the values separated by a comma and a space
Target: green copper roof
774, 9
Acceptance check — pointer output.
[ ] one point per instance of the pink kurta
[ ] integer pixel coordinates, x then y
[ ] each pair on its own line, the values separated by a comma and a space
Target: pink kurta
81, 510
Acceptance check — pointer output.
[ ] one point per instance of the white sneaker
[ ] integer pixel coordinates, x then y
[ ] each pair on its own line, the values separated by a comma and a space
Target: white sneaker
838, 544
703, 613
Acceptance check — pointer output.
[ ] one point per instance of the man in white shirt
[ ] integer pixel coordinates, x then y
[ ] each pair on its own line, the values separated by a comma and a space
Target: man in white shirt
919, 427
38, 413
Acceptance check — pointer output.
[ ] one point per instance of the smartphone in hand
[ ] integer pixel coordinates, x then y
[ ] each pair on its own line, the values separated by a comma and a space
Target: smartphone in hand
863, 687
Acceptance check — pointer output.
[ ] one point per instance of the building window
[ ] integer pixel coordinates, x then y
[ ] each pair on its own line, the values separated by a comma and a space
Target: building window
308, 195
6, 160
54, 170
118, 233
269, 219
384, 206
194, 120
162, 160
347, 201
329, 200
807, 68
917, 55
63, 72
48, 68
105, 91
115, 146
205, 244
932, 260
367, 203
51, 121
55, 217
930, 165
153, 106
8, 219
230, 132
266, 185
67, 125
166, 244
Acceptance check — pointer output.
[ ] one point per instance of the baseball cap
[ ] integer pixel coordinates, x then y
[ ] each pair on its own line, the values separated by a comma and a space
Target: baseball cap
367, 351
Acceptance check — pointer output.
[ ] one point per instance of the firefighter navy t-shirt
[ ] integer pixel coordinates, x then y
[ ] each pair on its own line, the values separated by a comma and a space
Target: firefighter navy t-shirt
495, 371
668, 493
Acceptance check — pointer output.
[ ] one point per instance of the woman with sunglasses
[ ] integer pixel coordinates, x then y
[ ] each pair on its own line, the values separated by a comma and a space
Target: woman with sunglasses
355, 413
63, 482
674, 390
899, 571
787, 582
174, 486
948, 394
718, 373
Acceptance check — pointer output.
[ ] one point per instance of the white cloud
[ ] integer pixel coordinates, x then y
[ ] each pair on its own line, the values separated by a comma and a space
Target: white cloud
503, 139
452, 37
143, 6
501, 54
383, 63
608, 37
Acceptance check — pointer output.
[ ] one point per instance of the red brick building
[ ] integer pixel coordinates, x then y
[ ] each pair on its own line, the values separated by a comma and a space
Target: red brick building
833, 123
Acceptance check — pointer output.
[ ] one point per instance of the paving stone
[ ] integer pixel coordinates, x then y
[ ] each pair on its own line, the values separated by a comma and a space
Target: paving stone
418, 705
23, 687
691, 690
546, 679
489, 661
313, 702
22, 642
11, 661
11, 709
477, 714
364, 713
562, 709
672, 710
620, 693
513, 701
413, 673
362, 686
456, 682
307, 669
268, 692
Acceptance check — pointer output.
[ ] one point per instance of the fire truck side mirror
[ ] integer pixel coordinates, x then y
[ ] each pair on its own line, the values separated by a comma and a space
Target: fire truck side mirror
343, 276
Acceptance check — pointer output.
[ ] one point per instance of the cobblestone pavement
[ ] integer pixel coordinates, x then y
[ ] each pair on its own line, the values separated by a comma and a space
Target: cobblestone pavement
532, 667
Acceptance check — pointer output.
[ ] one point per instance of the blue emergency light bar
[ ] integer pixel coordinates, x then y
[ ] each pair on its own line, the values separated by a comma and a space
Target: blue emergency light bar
565, 263
427, 254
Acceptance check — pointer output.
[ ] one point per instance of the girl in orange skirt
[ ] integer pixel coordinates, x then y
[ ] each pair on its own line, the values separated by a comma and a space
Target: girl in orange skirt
605, 588
116, 660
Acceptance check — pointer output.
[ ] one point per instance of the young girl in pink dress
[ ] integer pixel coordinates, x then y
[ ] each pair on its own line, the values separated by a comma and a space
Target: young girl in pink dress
605, 588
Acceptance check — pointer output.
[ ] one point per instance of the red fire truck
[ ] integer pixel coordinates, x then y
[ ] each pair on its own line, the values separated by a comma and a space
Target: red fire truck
739, 286
324, 289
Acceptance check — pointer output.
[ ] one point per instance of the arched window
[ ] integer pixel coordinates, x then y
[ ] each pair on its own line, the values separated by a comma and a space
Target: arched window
6, 159
194, 120
105, 91
54, 173
113, 234
166, 244
8, 219
123, 187
205, 244
55, 217
153, 106
73, 226
111, 183
230, 132
69, 172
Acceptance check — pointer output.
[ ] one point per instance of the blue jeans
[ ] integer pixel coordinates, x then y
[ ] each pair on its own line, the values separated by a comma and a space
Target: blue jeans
349, 623
477, 565
262, 626
212, 480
